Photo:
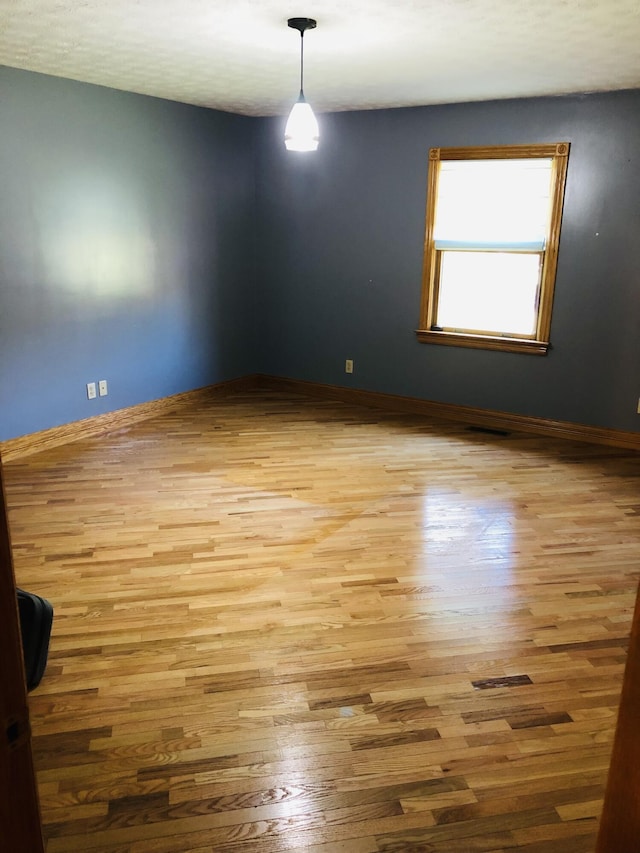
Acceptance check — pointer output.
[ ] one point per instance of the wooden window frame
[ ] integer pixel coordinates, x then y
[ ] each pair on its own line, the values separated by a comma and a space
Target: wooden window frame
538, 343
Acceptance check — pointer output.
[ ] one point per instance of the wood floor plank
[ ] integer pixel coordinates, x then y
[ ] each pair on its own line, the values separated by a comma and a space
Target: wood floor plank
285, 624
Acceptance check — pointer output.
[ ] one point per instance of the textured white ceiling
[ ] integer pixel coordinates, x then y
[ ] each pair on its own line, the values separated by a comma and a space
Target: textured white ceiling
240, 56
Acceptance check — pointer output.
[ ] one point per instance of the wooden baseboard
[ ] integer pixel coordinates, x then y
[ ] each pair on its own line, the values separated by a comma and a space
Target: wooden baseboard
452, 412
26, 445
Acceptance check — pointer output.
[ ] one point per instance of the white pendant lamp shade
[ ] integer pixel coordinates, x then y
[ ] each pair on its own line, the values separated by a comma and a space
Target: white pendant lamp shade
302, 132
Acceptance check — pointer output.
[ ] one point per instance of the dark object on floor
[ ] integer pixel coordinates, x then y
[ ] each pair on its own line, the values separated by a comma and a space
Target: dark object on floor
36, 618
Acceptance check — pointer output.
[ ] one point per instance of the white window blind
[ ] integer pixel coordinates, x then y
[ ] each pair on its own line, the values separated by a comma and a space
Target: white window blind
500, 205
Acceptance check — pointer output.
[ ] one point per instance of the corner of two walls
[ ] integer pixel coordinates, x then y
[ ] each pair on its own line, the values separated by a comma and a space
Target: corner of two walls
164, 247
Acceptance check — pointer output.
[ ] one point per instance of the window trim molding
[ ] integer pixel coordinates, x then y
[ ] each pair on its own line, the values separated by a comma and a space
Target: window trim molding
468, 339
539, 343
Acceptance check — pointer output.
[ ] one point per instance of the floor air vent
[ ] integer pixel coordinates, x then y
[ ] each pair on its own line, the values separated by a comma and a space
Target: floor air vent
488, 430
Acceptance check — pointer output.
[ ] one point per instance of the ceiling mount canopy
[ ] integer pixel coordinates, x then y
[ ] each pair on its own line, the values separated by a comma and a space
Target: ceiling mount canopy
302, 24
301, 132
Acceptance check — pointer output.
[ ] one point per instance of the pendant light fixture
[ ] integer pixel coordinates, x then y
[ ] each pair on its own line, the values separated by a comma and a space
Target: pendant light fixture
302, 132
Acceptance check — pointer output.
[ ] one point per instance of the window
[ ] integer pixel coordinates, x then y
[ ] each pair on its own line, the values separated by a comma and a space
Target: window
491, 246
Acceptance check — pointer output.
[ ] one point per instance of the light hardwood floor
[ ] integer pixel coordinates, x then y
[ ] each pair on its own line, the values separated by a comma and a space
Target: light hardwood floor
291, 625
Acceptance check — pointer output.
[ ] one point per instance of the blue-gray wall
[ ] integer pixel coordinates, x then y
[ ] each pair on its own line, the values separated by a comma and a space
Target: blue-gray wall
342, 240
126, 228
164, 247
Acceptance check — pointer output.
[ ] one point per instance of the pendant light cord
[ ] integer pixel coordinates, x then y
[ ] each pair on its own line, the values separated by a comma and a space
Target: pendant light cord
301, 61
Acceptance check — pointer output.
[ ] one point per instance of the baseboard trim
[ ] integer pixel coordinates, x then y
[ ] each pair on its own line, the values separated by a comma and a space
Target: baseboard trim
26, 445
452, 412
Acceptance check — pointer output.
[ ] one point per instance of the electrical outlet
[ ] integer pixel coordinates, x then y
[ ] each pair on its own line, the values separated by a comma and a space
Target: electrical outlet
91, 390
102, 388
348, 366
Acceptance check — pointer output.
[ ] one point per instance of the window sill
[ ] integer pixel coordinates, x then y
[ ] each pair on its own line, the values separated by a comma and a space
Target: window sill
462, 339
